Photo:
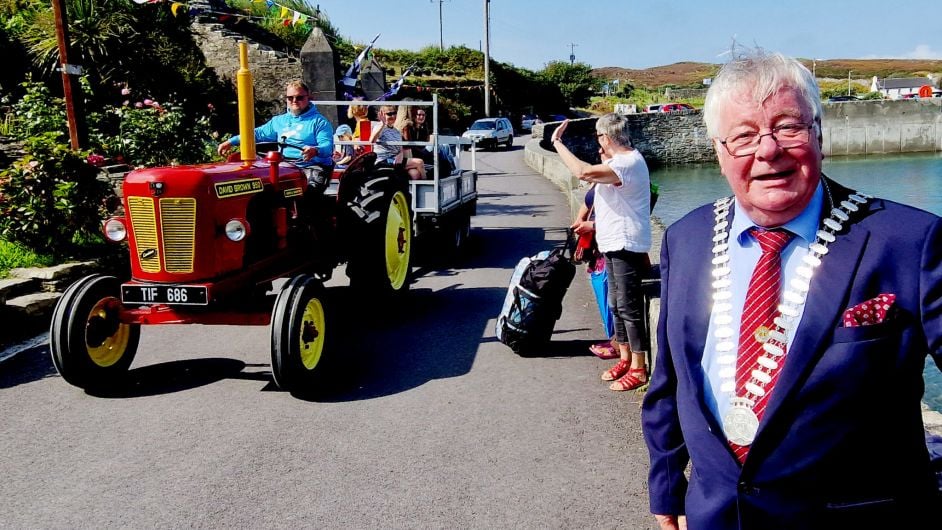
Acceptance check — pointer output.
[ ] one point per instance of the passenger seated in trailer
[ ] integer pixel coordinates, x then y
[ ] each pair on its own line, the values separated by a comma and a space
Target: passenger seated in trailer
343, 154
393, 154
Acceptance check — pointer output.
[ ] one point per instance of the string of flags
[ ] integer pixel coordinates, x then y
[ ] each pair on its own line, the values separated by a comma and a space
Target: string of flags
288, 15
293, 17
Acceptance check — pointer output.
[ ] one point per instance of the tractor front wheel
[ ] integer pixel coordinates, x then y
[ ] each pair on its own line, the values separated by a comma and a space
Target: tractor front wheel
300, 334
90, 346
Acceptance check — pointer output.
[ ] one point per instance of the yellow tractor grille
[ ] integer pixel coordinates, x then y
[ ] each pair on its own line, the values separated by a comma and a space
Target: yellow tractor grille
144, 223
178, 223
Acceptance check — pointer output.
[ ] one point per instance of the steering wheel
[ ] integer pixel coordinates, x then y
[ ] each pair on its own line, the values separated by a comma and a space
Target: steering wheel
264, 147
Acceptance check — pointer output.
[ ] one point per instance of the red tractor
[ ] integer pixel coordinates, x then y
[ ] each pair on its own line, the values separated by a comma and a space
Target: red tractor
207, 241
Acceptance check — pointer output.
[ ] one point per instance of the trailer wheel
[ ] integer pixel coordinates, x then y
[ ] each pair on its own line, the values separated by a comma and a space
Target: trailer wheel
90, 347
300, 334
382, 260
461, 231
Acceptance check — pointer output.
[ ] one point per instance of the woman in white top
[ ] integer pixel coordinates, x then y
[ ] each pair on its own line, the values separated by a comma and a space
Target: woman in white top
623, 232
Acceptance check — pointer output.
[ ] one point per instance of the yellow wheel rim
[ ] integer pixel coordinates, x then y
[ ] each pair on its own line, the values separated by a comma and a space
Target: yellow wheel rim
106, 351
313, 328
398, 241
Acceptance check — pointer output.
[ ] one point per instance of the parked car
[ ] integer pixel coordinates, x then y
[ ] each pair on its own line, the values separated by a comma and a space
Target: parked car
653, 108
528, 121
674, 107
491, 132
833, 99
910, 96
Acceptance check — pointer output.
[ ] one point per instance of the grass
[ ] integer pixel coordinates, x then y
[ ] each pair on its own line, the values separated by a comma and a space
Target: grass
13, 256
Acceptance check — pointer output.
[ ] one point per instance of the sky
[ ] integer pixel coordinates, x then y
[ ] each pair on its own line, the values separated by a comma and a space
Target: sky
531, 33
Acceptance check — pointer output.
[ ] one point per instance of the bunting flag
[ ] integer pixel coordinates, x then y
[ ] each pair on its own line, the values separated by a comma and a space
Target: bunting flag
287, 15
393, 88
353, 73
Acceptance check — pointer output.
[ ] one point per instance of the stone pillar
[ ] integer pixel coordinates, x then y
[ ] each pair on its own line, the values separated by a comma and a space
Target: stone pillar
373, 80
318, 73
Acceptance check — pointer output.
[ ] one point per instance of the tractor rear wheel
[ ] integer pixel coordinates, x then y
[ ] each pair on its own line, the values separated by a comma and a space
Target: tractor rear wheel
381, 260
300, 334
90, 346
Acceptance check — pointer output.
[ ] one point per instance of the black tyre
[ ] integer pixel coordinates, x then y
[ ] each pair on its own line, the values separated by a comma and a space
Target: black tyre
459, 232
300, 335
90, 347
381, 256
510, 142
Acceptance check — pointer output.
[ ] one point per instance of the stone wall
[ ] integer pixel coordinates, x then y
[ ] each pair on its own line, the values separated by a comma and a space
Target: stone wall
663, 138
271, 69
684, 93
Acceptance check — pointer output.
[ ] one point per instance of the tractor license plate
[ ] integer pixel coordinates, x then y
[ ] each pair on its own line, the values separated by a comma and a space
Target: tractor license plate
135, 293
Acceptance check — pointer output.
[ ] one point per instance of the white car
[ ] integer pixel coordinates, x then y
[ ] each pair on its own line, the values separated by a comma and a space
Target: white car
528, 121
491, 132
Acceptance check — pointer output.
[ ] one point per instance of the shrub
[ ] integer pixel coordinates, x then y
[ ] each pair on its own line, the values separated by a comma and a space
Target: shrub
51, 200
149, 134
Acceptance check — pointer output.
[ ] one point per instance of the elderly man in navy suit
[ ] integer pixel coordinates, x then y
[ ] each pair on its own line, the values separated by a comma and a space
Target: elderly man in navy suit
796, 317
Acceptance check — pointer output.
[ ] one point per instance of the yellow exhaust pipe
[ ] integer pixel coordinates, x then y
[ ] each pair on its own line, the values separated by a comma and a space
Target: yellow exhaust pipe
246, 106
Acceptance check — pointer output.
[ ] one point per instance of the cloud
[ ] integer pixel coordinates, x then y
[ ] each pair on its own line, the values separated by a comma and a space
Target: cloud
923, 51
920, 52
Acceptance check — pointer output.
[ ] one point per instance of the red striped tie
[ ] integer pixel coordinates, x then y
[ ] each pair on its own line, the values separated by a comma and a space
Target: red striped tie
759, 311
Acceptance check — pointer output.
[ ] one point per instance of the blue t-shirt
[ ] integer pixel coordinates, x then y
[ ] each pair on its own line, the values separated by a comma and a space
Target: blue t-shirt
309, 128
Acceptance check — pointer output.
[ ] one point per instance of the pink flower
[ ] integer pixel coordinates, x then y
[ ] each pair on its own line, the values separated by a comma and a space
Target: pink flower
138, 105
125, 91
148, 102
95, 160
126, 103
210, 107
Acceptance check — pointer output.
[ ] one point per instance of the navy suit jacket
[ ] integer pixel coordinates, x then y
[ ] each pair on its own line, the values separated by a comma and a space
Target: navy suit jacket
842, 440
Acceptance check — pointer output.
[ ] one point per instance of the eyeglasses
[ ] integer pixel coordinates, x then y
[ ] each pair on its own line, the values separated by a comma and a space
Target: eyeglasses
788, 136
391, 113
295, 98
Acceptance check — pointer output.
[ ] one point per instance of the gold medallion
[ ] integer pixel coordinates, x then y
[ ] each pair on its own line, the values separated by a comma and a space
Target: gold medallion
762, 334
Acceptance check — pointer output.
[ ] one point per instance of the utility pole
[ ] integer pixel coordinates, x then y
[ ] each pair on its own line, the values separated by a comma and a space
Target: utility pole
441, 37
848, 81
572, 54
70, 87
487, 58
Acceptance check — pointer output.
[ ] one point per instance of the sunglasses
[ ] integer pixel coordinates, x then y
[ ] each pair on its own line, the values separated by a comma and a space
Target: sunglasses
391, 113
295, 98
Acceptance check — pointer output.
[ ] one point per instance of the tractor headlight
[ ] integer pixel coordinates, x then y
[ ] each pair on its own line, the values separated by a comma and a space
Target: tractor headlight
115, 230
237, 229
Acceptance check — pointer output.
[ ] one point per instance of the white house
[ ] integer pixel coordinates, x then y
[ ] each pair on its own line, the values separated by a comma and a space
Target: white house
895, 88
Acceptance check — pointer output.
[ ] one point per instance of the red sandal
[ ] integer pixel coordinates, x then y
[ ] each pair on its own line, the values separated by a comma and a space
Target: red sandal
604, 350
631, 380
621, 368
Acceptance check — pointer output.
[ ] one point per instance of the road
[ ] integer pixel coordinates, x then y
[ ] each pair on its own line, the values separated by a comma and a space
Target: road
429, 421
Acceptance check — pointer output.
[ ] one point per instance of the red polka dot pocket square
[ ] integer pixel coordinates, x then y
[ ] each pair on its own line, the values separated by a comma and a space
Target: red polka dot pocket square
874, 311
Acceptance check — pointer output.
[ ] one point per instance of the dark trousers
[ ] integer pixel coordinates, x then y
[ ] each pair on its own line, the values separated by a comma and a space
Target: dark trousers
625, 270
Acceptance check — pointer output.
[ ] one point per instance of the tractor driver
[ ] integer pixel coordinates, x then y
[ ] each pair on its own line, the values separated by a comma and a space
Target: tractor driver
303, 126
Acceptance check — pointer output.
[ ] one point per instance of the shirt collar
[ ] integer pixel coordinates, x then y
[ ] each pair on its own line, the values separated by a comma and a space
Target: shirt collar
804, 226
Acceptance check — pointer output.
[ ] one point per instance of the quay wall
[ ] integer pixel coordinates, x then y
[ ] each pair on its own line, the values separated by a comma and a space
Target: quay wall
882, 127
849, 128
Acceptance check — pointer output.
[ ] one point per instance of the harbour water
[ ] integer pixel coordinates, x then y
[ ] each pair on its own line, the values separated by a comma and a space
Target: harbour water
910, 179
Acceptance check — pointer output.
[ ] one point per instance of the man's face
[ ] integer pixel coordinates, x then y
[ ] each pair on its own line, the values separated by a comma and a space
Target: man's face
773, 185
297, 100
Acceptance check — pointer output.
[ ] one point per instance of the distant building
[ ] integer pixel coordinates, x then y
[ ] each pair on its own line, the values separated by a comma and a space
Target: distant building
895, 88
